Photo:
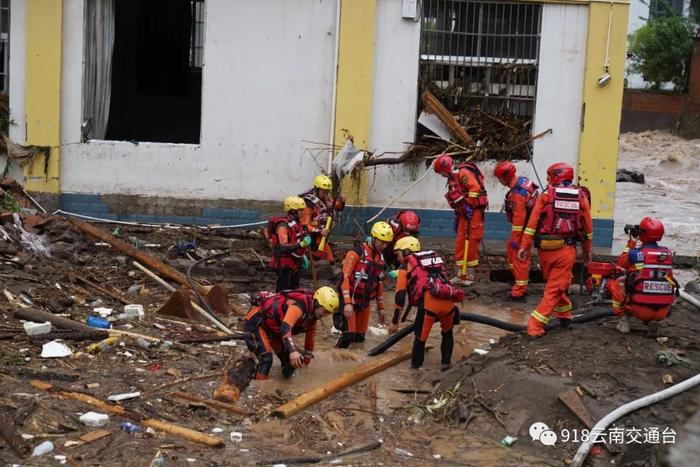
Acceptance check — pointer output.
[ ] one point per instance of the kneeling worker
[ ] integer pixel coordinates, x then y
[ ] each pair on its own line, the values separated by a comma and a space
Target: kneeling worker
648, 290
422, 282
271, 325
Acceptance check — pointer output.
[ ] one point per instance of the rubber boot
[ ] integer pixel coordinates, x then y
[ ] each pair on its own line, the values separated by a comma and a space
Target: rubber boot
623, 326
346, 338
359, 337
264, 366
446, 347
418, 354
287, 368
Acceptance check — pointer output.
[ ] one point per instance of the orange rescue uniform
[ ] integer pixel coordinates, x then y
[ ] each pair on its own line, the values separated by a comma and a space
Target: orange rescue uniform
617, 291
557, 265
469, 186
521, 269
314, 218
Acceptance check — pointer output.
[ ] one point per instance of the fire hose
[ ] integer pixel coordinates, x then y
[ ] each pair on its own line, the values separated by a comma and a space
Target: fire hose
487, 320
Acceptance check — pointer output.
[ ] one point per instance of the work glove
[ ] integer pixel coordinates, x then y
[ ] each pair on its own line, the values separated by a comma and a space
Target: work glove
466, 211
393, 274
305, 242
305, 263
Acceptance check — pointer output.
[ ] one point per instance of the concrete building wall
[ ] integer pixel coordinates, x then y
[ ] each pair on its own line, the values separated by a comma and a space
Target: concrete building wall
559, 101
267, 85
18, 55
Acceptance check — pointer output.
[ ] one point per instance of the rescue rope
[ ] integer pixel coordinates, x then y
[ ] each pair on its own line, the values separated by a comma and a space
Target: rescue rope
487, 320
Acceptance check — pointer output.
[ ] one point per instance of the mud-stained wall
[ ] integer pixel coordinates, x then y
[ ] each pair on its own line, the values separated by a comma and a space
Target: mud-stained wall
267, 85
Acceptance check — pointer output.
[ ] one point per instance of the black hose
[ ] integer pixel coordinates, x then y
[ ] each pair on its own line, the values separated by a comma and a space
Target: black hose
578, 319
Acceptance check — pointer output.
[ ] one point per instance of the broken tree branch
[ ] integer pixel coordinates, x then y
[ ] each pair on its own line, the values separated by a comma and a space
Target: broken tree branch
346, 379
435, 107
185, 396
182, 432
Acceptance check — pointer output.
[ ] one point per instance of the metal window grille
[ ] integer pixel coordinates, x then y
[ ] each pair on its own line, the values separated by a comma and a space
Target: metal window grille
481, 53
4, 45
197, 35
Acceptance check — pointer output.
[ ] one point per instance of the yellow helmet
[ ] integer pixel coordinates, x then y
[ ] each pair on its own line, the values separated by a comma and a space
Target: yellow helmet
327, 298
382, 231
323, 182
407, 243
294, 203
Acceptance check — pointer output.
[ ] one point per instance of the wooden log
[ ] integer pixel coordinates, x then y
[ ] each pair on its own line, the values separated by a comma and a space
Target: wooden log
100, 288
346, 379
434, 106
574, 403
30, 314
185, 396
139, 255
182, 432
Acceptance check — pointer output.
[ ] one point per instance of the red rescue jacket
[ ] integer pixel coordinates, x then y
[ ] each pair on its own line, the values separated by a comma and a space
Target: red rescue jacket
365, 279
457, 193
274, 308
562, 215
650, 279
527, 189
427, 273
281, 258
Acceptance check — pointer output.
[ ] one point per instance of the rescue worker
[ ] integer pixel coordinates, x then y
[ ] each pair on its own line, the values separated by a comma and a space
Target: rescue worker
360, 283
648, 290
561, 218
289, 244
466, 195
423, 283
271, 325
320, 207
403, 224
518, 204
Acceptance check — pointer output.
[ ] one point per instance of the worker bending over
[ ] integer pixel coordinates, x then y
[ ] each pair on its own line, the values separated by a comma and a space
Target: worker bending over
403, 224
271, 325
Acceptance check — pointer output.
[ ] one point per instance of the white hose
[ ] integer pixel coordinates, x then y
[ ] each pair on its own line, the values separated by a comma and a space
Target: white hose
110, 221
689, 298
627, 408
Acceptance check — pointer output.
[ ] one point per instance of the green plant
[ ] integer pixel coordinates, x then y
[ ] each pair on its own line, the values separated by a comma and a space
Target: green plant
661, 51
8, 202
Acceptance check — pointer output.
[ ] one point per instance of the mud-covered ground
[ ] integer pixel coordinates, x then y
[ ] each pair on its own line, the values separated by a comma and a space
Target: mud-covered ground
414, 413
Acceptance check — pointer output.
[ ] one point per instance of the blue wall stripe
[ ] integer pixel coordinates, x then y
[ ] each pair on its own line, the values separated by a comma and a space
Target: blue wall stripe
434, 222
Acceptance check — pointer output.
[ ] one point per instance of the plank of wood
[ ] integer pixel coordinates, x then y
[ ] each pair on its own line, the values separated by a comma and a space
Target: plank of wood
38, 316
349, 378
94, 436
574, 403
434, 106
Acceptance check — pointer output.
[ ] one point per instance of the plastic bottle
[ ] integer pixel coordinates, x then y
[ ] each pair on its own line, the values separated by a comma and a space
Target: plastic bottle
132, 312
102, 345
44, 448
130, 427
97, 322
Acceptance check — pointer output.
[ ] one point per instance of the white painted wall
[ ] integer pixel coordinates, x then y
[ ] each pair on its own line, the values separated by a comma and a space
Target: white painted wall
18, 56
559, 101
267, 85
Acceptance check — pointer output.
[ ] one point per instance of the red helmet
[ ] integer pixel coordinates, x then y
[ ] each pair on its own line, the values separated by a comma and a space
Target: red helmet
504, 171
443, 165
651, 229
409, 221
560, 172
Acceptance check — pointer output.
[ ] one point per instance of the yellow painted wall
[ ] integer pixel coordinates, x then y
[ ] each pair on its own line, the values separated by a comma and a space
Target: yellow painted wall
43, 91
597, 162
353, 110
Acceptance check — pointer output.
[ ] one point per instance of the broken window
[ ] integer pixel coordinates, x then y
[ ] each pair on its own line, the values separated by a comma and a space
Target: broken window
143, 70
4, 45
481, 54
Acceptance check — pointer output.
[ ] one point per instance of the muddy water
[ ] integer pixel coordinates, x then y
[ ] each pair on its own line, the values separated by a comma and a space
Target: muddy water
330, 363
671, 166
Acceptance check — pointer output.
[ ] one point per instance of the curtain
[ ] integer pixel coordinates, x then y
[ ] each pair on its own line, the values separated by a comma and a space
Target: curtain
97, 67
